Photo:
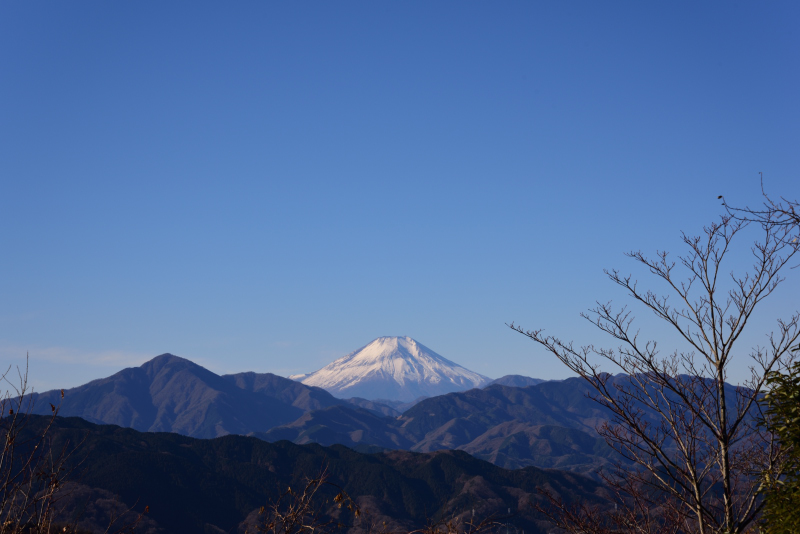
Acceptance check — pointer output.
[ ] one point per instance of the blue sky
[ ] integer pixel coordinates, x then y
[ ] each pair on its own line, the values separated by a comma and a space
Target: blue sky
267, 186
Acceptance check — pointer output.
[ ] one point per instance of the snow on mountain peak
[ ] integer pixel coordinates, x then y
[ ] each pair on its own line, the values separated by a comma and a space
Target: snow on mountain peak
395, 368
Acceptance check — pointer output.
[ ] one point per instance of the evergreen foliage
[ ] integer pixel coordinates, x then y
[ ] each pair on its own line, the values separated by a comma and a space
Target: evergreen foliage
782, 496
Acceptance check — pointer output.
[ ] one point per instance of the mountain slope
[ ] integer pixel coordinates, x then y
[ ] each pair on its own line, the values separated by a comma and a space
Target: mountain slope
284, 390
393, 368
517, 444
549, 425
562, 403
171, 394
517, 381
498, 423
349, 426
192, 485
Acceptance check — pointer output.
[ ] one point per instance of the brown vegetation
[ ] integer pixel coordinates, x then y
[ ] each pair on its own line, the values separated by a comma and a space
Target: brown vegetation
301, 512
34, 473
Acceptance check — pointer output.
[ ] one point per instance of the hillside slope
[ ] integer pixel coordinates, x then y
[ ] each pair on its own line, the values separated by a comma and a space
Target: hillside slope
173, 394
192, 485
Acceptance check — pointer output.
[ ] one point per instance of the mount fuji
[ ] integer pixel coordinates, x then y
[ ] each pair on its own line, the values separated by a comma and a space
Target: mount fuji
393, 368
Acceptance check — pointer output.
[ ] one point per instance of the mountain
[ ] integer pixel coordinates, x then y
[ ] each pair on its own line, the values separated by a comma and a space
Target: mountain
172, 394
548, 425
282, 389
386, 408
515, 444
517, 381
393, 368
400, 406
350, 426
218, 485
562, 403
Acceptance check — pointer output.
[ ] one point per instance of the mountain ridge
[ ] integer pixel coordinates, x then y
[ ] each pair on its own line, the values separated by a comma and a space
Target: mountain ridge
550, 424
218, 485
172, 394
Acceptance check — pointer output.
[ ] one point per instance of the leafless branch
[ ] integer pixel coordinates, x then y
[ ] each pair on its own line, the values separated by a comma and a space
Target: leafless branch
693, 438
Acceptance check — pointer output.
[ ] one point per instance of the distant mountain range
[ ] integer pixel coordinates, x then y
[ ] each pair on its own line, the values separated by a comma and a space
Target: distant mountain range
514, 422
217, 486
393, 368
517, 381
547, 425
172, 394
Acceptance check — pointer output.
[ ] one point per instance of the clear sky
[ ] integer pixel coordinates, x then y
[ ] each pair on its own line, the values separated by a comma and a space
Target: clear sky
267, 186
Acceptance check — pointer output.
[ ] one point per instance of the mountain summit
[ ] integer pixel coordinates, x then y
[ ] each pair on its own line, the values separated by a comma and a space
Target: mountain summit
393, 368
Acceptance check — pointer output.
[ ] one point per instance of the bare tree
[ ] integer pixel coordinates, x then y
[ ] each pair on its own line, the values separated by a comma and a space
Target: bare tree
781, 495
299, 512
306, 511
34, 473
644, 510
459, 525
781, 212
694, 440
31, 471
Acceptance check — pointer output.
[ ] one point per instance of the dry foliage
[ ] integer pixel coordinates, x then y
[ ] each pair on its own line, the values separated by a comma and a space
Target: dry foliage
299, 511
304, 511
457, 525
33, 473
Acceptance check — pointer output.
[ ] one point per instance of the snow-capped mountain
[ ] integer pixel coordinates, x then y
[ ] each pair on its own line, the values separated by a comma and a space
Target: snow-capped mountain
394, 368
